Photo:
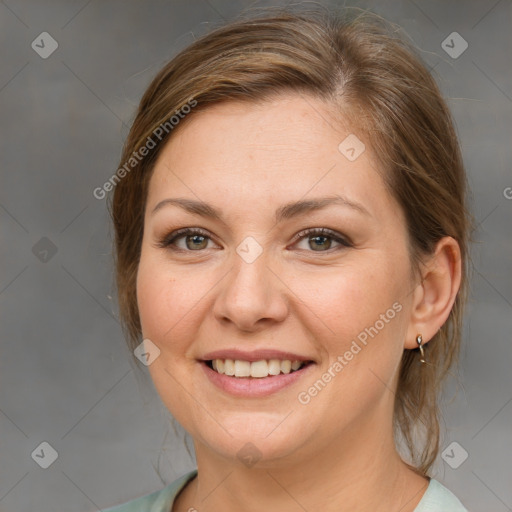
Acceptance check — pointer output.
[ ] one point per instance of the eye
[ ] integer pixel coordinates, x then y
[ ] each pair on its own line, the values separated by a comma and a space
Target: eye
320, 239
194, 239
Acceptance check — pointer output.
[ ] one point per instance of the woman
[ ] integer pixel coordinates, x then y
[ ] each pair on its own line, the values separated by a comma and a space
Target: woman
291, 244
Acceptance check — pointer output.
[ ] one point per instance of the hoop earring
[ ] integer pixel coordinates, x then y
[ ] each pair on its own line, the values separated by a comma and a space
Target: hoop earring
419, 341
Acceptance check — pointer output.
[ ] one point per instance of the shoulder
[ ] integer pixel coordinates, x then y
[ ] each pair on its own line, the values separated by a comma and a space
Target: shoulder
438, 498
158, 501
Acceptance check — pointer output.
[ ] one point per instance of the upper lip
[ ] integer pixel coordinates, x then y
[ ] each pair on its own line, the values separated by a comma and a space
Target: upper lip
255, 355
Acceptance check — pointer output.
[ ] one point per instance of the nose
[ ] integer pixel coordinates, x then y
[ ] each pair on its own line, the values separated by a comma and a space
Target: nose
252, 296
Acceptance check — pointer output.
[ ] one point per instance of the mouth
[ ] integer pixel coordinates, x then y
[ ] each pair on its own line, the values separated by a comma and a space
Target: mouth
258, 378
264, 368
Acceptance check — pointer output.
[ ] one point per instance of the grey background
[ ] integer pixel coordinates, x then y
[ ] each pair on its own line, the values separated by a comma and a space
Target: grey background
66, 376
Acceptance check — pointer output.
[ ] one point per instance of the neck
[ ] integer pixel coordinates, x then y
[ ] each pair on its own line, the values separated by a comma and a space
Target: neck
362, 477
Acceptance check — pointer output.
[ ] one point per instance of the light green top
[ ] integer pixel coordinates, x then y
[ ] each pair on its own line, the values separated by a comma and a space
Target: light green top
437, 498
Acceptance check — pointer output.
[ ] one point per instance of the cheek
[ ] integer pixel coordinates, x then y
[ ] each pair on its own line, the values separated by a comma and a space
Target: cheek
163, 304
162, 297
151, 295
166, 309
365, 309
352, 298
172, 306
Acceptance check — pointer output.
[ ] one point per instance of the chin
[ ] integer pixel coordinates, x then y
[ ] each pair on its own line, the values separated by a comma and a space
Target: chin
262, 439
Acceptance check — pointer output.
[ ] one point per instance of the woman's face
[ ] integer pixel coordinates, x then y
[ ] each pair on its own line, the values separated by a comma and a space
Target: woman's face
255, 292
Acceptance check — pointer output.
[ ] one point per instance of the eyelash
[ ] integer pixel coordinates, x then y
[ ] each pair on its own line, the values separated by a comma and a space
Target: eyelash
168, 241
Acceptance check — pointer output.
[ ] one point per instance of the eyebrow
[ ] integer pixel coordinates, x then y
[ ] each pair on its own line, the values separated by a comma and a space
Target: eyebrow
287, 211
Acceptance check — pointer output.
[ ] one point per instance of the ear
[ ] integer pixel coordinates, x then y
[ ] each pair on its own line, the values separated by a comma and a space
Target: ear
434, 296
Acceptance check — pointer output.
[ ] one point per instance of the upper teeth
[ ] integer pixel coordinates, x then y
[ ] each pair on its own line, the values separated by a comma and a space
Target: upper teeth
238, 368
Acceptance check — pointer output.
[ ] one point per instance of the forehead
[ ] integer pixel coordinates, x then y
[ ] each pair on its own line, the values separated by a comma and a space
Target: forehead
254, 153
287, 122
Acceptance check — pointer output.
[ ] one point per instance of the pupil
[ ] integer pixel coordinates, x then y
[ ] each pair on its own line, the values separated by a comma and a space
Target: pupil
194, 240
324, 239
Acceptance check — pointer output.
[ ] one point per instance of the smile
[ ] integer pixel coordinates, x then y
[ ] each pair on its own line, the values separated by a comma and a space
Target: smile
254, 379
256, 369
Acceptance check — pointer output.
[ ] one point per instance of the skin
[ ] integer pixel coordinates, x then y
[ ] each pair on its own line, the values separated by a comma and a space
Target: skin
336, 452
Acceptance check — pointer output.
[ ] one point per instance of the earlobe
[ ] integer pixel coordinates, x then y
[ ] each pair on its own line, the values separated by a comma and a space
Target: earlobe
434, 296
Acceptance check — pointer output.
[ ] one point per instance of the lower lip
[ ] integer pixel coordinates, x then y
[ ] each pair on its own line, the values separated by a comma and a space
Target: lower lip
252, 386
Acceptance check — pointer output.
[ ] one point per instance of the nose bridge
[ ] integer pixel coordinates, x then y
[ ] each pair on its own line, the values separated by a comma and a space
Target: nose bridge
251, 291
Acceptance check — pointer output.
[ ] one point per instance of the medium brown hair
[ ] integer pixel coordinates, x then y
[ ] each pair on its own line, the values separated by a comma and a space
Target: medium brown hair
366, 71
